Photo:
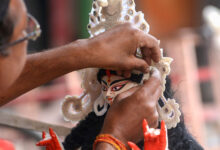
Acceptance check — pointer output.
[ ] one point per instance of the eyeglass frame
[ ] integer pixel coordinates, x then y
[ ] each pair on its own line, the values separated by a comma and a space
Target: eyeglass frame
30, 36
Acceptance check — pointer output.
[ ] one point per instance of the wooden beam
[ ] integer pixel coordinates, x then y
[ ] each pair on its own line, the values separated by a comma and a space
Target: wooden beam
13, 120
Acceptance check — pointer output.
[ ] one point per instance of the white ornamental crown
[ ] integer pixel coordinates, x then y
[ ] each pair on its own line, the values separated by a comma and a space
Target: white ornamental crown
106, 14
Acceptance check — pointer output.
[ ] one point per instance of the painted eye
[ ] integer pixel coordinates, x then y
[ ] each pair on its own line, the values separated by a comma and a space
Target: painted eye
118, 87
104, 88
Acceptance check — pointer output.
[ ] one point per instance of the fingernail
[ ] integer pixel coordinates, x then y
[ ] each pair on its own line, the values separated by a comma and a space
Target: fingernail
156, 73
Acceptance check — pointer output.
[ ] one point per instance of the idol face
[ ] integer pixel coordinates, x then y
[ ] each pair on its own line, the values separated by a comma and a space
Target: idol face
114, 85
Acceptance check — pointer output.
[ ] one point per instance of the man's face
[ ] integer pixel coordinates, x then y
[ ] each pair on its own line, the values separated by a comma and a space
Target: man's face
12, 65
114, 85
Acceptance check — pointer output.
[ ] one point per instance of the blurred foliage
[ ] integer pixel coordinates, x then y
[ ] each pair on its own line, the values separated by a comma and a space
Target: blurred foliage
84, 8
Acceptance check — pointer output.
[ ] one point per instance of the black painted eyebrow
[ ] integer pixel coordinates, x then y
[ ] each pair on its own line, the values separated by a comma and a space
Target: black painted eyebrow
118, 81
104, 82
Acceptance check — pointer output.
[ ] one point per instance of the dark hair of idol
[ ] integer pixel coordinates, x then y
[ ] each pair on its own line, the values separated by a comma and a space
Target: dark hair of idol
134, 77
84, 134
6, 23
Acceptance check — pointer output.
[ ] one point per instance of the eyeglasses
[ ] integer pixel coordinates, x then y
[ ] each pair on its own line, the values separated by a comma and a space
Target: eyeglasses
33, 31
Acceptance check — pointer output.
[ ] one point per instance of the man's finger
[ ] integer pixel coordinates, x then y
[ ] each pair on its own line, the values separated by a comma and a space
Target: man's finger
158, 92
153, 82
127, 93
146, 52
148, 42
150, 85
141, 65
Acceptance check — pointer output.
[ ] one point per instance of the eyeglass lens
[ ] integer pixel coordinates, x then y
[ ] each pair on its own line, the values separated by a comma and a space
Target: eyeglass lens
31, 25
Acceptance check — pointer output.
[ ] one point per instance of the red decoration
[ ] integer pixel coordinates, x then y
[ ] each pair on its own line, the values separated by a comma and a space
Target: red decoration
152, 141
108, 73
50, 143
6, 145
109, 139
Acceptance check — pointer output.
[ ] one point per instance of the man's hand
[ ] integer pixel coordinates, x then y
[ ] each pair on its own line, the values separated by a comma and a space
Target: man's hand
128, 110
115, 49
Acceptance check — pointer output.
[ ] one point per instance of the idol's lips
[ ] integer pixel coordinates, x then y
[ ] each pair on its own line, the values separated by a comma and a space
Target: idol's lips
110, 99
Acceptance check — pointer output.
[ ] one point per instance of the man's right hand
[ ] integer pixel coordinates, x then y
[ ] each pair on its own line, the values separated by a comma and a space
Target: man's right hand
125, 116
115, 49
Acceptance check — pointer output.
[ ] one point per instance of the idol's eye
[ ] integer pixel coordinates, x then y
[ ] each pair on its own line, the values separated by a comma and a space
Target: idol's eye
117, 87
104, 88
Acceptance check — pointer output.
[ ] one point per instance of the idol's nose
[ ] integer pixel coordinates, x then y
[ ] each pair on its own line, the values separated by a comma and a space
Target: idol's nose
108, 93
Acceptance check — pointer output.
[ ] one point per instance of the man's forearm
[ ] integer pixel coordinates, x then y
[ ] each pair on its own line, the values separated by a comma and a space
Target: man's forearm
45, 66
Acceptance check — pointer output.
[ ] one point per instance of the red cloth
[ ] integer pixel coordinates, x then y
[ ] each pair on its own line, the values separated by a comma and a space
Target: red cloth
6, 145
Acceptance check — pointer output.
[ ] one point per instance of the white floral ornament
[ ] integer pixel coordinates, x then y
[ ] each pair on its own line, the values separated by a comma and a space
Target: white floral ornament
170, 112
104, 15
92, 90
73, 107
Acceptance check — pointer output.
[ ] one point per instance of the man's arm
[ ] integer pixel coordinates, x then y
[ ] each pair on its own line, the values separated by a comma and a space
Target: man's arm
45, 66
114, 49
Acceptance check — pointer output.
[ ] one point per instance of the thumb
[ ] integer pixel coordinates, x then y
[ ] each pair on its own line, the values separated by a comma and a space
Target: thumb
126, 94
140, 65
